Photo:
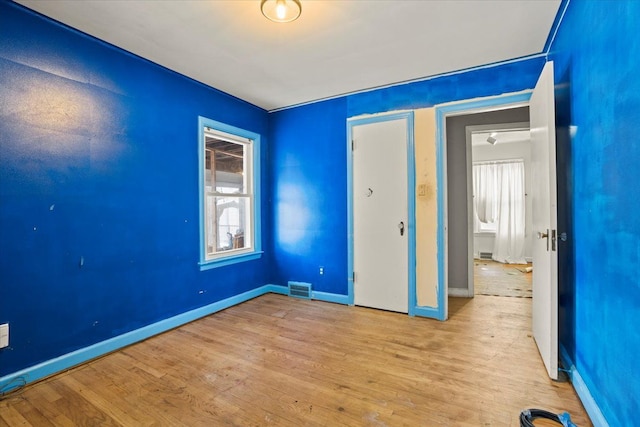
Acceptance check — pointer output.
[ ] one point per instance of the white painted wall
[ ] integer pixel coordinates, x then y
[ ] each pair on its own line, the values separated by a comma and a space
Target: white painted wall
513, 150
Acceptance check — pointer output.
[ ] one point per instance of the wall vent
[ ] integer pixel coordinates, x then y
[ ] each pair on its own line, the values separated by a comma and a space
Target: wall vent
486, 255
300, 290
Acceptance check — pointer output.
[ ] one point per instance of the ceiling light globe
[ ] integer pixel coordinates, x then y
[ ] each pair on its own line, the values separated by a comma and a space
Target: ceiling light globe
281, 10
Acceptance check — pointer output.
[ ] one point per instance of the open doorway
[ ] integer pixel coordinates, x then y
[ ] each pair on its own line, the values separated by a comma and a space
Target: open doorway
461, 248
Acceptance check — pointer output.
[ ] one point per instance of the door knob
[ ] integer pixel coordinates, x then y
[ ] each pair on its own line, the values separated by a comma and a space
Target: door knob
401, 227
544, 236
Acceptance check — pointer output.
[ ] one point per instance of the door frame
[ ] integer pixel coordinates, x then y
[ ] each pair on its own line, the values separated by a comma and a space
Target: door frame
411, 184
482, 105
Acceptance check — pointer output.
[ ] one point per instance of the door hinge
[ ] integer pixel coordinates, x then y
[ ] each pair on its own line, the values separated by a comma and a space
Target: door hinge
353, 145
353, 278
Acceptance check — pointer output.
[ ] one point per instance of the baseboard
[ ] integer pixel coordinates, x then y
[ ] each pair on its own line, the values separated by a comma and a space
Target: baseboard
316, 295
430, 312
329, 297
69, 360
277, 289
459, 292
590, 405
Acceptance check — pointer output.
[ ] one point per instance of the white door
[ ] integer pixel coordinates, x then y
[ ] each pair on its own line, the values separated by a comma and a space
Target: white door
545, 219
380, 223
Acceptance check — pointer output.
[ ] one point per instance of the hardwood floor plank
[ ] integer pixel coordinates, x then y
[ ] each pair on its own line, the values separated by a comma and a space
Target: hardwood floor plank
45, 401
12, 416
277, 360
97, 393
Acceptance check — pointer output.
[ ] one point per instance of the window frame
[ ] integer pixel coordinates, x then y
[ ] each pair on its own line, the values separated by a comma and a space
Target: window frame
485, 228
254, 251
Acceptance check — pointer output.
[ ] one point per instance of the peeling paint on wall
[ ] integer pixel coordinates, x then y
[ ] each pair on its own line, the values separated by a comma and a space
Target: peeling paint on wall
426, 208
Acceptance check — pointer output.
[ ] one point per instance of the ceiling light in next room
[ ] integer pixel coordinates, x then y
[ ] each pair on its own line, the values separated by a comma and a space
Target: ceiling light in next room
281, 10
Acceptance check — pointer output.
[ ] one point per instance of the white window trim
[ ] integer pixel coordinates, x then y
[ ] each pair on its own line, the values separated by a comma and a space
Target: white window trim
255, 249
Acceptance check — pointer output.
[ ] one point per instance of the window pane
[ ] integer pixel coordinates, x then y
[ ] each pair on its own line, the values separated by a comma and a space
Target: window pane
229, 222
228, 162
208, 182
210, 225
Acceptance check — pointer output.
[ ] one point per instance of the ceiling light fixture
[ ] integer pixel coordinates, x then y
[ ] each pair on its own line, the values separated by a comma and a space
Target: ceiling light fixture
281, 10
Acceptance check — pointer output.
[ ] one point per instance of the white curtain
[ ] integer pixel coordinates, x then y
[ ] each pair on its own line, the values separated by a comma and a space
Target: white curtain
499, 198
485, 202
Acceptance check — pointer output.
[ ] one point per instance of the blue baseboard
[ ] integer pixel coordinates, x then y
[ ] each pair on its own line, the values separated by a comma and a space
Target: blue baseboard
277, 289
69, 360
582, 390
431, 312
316, 295
329, 297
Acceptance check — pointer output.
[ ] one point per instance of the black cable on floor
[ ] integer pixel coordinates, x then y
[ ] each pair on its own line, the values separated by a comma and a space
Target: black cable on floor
528, 415
13, 387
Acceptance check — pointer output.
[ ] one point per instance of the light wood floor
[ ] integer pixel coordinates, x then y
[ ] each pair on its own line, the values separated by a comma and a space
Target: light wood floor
277, 360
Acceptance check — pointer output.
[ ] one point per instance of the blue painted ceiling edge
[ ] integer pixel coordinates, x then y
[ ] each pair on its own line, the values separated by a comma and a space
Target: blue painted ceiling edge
557, 21
485, 81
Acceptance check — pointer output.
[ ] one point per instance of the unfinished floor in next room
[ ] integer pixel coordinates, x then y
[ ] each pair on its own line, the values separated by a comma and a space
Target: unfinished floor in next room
498, 279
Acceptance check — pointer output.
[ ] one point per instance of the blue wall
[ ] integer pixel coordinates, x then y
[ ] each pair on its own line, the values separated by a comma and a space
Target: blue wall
489, 80
99, 190
597, 49
308, 164
308, 177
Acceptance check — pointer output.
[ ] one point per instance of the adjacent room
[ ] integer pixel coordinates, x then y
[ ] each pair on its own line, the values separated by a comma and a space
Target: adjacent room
502, 238
296, 212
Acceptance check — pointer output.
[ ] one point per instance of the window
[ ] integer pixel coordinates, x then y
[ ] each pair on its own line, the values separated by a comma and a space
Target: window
229, 204
485, 227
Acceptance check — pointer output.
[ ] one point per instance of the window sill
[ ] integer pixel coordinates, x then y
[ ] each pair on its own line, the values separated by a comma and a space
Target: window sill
232, 259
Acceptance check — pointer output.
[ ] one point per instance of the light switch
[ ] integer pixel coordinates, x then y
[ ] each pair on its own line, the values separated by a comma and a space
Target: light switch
4, 335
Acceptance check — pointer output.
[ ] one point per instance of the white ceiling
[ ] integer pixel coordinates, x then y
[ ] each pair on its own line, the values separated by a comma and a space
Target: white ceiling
501, 136
335, 47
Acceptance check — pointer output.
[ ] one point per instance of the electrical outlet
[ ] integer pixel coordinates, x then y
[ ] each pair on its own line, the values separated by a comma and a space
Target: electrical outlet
4, 335
321, 271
